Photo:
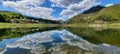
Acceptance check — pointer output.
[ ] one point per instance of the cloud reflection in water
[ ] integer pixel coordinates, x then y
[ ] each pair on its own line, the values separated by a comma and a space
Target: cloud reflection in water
56, 42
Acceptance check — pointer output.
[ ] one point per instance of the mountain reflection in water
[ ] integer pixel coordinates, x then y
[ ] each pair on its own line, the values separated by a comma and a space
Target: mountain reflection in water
54, 42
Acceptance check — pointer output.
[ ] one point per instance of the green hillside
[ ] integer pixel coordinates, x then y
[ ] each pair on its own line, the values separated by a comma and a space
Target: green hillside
105, 15
110, 14
12, 17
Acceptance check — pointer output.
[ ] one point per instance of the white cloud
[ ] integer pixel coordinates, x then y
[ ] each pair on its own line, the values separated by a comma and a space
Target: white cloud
34, 8
74, 7
31, 7
109, 4
64, 3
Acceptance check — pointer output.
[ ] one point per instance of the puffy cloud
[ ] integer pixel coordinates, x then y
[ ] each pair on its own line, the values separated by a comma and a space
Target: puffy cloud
31, 7
109, 4
35, 8
74, 7
64, 3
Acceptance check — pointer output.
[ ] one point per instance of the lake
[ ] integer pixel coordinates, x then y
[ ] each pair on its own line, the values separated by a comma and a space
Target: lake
60, 41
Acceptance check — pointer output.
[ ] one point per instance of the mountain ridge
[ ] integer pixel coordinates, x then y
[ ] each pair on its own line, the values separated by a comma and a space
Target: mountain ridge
13, 17
100, 15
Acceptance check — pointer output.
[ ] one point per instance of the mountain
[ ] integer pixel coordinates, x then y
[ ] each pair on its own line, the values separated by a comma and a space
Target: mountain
98, 14
109, 14
93, 9
81, 18
13, 17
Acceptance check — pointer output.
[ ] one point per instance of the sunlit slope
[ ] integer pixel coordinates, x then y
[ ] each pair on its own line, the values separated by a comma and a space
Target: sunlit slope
109, 14
104, 15
13, 17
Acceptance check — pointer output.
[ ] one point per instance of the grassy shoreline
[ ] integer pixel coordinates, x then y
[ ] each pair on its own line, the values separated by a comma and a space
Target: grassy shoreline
30, 25
26, 25
111, 25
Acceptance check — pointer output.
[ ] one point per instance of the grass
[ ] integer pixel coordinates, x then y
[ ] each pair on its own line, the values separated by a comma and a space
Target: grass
109, 14
27, 25
76, 25
111, 25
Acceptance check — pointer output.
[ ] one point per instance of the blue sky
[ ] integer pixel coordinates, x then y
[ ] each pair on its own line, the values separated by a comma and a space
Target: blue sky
52, 9
105, 2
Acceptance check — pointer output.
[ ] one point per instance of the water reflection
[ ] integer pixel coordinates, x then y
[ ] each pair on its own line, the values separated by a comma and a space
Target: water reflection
54, 42
19, 32
98, 35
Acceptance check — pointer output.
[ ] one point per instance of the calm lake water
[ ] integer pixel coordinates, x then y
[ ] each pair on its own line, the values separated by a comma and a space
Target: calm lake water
59, 41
